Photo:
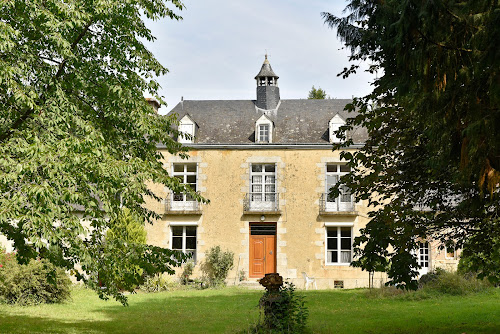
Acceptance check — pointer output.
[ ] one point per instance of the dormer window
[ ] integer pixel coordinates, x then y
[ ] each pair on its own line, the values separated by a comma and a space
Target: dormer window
264, 130
335, 123
187, 126
264, 133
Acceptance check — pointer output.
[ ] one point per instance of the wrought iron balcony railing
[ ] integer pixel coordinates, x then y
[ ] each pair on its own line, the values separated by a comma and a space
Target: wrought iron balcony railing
259, 202
343, 203
181, 203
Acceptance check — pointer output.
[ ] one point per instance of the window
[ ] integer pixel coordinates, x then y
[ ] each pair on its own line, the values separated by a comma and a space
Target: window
264, 130
184, 239
344, 202
423, 254
187, 174
187, 126
338, 245
264, 133
263, 186
335, 123
451, 252
263, 194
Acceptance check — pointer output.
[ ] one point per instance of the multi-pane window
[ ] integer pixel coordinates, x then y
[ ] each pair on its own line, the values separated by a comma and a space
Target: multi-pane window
344, 201
264, 133
186, 173
263, 183
338, 245
184, 240
423, 254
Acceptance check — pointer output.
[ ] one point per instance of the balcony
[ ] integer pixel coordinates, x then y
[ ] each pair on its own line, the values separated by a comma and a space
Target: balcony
258, 203
178, 204
342, 205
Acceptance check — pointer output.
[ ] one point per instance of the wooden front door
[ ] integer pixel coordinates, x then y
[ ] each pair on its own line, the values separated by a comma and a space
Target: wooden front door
262, 249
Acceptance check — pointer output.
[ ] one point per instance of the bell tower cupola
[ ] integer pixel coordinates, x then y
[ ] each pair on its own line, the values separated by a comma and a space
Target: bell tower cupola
268, 92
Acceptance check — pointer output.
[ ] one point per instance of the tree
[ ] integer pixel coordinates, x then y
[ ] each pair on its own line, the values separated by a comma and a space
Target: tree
76, 134
126, 233
316, 94
431, 165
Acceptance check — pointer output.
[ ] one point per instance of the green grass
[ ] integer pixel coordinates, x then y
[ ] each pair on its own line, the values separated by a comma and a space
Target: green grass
230, 310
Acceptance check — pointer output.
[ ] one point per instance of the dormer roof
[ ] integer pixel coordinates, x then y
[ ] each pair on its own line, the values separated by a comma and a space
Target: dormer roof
264, 118
188, 118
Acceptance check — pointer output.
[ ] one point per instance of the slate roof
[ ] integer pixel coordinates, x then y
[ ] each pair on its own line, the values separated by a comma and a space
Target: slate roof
266, 70
295, 121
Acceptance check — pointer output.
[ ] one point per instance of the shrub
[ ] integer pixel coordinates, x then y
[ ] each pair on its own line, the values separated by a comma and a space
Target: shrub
453, 283
217, 265
187, 272
434, 284
156, 283
37, 282
282, 312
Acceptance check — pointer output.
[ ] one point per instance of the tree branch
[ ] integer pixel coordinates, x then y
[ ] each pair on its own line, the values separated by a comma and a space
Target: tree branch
29, 112
444, 46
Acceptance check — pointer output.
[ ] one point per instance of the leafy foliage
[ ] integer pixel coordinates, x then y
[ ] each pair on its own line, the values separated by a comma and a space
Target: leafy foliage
128, 228
431, 166
452, 283
37, 282
75, 131
318, 94
284, 312
130, 233
217, 265
484, 264
156, 283
187, 272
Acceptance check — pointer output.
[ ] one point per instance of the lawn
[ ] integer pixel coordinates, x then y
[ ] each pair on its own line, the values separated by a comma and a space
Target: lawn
229, 310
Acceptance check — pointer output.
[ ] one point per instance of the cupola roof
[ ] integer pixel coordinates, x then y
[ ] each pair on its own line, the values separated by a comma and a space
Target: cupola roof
266, 70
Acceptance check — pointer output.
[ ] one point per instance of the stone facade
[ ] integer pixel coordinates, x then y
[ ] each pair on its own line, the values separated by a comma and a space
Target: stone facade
293, 223
223, 178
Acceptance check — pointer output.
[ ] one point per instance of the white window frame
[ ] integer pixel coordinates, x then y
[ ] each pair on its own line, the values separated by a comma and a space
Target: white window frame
339, 249
186, 125
264, 133
423, 260
339, 203
184, 236
186, 203
267, 198
264, 121
335, 123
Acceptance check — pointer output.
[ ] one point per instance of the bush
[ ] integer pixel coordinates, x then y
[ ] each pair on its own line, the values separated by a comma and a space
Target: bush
434, 284
37, 282
217, 265
452, 283
187, 272
156, 283
284, 312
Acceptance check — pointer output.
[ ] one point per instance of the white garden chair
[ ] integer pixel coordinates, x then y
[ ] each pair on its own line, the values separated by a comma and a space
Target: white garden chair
308, 280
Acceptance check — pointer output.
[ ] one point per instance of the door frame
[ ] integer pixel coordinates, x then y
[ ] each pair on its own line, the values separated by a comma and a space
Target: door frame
275, 235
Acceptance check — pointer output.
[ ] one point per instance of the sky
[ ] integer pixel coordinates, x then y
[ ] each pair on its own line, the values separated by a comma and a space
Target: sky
218, 48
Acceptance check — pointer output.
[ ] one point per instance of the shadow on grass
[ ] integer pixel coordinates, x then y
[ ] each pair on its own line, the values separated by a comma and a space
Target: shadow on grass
229, 312
154, 313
